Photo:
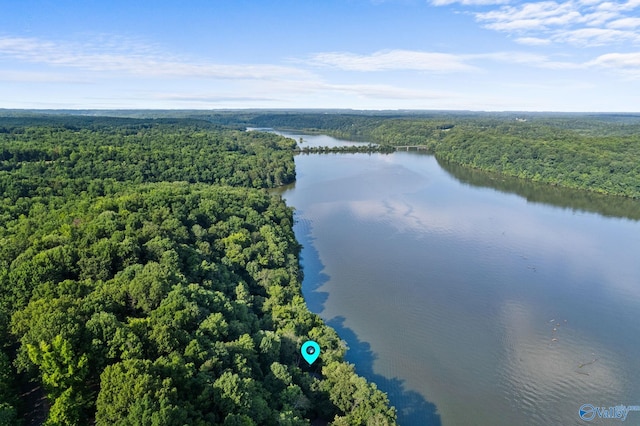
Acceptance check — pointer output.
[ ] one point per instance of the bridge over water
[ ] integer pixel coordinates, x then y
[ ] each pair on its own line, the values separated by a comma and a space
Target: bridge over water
410, 147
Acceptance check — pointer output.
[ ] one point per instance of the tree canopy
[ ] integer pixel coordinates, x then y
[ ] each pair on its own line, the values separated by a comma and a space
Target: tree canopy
148, 278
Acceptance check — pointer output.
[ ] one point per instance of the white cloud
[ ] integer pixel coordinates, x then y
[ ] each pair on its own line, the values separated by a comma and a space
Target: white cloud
206, 98
618, 60
598, 18
577, 22
625, 23
134, 59
393, 60
536, 16
626, 65
619, 6
40, 77
512, 57
525, 58
430, 61
533, 41
556, 86
596, 36
381, 91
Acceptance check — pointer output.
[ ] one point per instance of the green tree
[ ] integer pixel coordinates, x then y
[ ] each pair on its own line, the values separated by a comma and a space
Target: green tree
67, 409
59, 366
133, 393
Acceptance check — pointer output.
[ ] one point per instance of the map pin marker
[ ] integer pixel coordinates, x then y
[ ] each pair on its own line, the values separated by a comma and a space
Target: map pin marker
310, 351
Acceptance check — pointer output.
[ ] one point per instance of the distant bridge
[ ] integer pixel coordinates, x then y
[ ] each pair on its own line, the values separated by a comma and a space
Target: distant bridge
410, 147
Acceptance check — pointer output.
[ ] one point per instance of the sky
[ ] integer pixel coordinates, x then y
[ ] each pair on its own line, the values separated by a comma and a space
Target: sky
483, 55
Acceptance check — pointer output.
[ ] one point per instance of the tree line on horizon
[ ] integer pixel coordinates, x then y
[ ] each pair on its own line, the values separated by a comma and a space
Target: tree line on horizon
593, 152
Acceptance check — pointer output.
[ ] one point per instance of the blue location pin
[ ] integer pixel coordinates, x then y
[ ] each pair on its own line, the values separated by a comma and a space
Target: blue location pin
310, 351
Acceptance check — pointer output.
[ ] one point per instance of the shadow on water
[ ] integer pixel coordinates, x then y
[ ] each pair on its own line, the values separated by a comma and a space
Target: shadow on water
314, 278
535, 192
412, 408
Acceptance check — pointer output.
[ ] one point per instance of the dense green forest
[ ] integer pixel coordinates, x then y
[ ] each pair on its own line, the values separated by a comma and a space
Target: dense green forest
53, 156
148, 278
594, 152
539, 152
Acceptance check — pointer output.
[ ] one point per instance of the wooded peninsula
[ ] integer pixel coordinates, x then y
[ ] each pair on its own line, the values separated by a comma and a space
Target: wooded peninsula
147, 277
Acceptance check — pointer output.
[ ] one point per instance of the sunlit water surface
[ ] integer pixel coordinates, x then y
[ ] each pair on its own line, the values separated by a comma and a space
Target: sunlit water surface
470, 305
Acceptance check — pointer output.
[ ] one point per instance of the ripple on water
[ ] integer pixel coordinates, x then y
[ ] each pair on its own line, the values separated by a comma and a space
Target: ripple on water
450, 291
546, 382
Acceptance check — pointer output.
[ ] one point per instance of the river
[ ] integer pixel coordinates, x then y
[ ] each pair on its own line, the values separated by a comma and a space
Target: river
469, 298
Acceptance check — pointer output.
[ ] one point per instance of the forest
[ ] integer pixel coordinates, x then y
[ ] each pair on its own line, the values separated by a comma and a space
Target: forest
148, 277
593, 152
536, 151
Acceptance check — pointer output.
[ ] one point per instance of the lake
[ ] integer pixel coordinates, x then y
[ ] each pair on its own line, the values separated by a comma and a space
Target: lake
472, 299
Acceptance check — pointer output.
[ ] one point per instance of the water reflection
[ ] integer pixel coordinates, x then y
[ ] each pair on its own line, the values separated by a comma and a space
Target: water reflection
547, 194
552, 368
413, 408
314, 277
445, 291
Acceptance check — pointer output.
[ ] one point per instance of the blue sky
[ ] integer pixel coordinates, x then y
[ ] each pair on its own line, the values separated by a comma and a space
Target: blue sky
575, 55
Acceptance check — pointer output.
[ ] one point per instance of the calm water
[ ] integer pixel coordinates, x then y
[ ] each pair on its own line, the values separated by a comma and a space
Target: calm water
472, 305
